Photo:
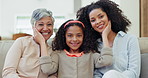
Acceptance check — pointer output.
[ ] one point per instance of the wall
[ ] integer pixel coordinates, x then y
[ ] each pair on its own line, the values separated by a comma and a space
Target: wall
130, 8
132, 11
0, 16
10, 8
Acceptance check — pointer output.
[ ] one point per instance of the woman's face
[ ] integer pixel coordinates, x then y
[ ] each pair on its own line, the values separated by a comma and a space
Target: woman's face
45, 27
98, 19
74, 38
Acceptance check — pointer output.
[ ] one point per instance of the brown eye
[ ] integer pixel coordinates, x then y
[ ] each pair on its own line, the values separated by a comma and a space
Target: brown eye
69, 35
49, 24
92, 20
101, 16
40, 24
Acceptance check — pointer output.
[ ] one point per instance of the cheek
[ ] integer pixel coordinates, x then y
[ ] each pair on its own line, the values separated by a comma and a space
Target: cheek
67, 41
38, 28
93, 25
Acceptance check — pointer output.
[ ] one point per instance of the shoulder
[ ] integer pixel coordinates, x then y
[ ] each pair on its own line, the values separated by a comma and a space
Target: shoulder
57, 52
25, 41
26, 38
131, 37
126, 36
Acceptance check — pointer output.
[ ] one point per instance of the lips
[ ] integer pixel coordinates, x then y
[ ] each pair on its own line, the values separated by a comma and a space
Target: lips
45, 33
100, 26
75, 44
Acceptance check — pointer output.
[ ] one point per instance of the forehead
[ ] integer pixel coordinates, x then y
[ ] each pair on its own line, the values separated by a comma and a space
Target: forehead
96, 11
74, 29
47, 18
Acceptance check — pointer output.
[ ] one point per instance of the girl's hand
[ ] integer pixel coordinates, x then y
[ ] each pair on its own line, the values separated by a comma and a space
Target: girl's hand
38, 36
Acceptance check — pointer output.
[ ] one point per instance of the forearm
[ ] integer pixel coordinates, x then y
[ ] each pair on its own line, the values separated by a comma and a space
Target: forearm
105, 41
48, 64
43, 48
9, 73
105, 58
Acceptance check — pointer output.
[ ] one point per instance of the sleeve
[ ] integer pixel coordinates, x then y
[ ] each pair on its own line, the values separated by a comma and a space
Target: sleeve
133, 69
49, 64
103, 59
12, 60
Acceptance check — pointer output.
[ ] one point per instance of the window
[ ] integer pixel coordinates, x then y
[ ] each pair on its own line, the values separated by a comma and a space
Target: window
23, 24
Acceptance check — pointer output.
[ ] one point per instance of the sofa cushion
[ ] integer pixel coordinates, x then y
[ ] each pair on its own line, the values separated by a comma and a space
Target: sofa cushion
4, 47
143, 42
144, 64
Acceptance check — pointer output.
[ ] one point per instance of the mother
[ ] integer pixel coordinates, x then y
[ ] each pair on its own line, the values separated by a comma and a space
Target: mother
126, 53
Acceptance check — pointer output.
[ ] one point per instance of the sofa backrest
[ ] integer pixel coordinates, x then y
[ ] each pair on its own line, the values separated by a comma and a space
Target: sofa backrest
4, 47
143, 42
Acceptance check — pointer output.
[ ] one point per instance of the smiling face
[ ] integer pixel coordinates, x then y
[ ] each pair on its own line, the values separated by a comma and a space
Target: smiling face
74, 38
45, 27
98, 19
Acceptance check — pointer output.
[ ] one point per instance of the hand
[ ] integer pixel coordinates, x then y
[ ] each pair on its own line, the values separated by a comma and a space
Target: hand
38, 36
105, 34
107, 29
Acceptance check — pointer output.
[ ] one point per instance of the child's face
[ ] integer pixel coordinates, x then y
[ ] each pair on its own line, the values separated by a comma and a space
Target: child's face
74, 38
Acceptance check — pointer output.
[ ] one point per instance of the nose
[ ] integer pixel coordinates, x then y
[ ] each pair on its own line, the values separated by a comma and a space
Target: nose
98, 21
74, 38
45, 27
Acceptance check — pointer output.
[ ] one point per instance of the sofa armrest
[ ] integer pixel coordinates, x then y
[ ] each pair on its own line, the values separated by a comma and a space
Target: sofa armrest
144, 64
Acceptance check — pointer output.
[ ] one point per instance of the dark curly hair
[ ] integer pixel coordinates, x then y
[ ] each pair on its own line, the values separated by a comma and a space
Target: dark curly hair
59, 42
119, 22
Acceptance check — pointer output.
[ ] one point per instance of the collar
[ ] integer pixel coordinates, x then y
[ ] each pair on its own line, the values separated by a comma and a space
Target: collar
73, 55
121, 33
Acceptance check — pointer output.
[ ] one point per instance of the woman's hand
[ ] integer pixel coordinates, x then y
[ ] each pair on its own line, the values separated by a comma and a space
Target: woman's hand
41, 41
107, 29
38, 36
105, 34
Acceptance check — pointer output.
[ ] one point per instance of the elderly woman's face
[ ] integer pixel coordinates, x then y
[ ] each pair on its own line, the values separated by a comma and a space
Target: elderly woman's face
45, 27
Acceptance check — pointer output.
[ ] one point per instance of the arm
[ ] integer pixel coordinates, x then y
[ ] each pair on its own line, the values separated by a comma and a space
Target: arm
49, 63
103, 59
105, 34
133, 69
12, 60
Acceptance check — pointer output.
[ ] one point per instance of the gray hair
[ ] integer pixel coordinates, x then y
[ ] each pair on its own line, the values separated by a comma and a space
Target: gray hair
40, 13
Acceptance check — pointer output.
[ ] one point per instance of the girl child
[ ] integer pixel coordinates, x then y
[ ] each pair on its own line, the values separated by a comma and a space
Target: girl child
73, 56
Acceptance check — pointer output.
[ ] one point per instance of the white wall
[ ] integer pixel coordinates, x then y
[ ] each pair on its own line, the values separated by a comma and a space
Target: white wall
10, 8
0, 16
132, 11
130, 8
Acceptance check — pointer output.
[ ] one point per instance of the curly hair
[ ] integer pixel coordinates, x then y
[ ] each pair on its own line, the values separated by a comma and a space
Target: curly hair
59, 42
119, 21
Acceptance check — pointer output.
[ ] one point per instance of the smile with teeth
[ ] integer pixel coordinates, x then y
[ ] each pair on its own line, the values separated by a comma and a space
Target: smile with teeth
45, 33
100, 27
74, 44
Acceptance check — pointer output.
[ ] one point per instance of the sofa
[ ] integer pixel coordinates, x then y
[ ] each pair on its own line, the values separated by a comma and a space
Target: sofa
143, 42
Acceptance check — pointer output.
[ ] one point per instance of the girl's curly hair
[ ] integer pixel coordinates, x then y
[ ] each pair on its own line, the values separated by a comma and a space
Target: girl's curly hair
59, 42
119, 22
